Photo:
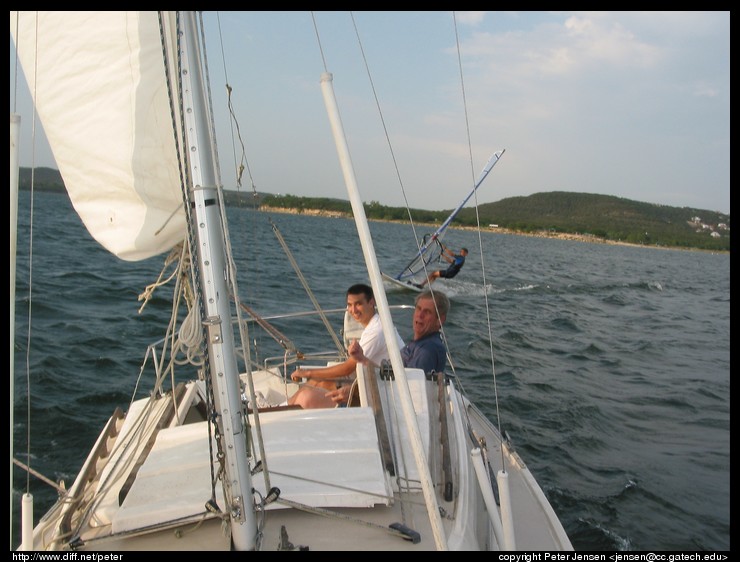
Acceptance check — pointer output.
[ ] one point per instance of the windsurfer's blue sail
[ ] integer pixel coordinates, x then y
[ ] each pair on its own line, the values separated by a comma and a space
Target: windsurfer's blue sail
430, 249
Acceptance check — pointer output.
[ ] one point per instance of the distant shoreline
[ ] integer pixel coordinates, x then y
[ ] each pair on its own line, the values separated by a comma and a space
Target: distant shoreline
498, 230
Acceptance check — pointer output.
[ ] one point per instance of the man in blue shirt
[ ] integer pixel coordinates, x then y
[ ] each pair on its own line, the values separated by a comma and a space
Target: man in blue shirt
427, 351
456, 262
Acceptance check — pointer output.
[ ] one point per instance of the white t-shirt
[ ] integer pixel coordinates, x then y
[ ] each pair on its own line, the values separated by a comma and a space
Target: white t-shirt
373, 342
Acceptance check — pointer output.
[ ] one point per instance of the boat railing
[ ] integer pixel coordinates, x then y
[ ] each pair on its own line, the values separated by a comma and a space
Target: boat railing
283, 363
156, 351
292, 354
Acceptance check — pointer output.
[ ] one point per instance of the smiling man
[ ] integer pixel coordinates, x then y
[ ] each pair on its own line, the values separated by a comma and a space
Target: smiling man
361, 305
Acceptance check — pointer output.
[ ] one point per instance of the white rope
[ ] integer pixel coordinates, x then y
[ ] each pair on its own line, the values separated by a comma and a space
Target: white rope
149, 290
190, 335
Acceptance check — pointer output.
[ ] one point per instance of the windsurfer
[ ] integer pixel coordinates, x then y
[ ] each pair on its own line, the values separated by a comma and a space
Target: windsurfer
456, 262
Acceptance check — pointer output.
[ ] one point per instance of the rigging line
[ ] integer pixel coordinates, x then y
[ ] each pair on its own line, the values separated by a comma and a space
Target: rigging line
29, 331
303, 281
337, 515
480, 239
382, 120
398, 175
387, 138
233, 122
442, 328
318, 40
37, 474
15, 66
333, 485
231, 265
283, 340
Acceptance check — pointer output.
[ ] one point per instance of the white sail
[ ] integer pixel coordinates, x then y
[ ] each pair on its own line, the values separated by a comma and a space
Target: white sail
98, 84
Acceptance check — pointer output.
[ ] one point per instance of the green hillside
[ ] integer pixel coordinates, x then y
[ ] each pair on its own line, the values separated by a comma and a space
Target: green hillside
608, 217
603, 216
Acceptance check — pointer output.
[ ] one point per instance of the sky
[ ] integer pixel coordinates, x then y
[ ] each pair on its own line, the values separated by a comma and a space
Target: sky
630, 104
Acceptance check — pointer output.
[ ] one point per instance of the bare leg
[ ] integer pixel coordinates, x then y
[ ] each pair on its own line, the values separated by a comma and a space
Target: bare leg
309, 396
432, 276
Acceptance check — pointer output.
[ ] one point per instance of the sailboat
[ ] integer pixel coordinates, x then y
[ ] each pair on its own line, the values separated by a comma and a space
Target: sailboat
211, 458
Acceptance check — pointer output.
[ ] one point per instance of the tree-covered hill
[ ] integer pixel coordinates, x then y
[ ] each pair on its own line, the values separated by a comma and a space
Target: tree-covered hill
44, 179
608, 217
602, 216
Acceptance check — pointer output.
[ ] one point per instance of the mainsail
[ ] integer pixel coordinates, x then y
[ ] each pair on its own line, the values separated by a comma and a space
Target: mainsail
430, 248
103, 100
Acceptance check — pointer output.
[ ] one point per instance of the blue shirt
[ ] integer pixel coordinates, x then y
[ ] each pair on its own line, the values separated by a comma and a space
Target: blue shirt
427, 353
457, 262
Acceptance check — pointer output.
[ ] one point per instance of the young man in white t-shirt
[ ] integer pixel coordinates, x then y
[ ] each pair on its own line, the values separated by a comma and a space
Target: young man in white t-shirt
361, 305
